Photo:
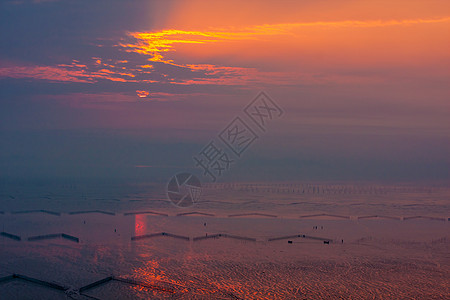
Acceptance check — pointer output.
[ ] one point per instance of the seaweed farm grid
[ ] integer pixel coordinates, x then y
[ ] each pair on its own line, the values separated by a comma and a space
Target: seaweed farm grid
238, 242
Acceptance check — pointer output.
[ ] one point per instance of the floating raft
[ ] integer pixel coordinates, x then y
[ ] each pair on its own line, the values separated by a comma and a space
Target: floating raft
10, 236
379, 217
37, 211
143, 284
423, 217
95, 284
147, 236
298, 236
91, 212
218, 235
253, 214
325, 215
54, 236
36, 281
195, 213
145, 213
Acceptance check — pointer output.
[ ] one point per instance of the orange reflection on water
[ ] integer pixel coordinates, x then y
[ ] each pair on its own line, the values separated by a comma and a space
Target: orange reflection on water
139, 225
152, 274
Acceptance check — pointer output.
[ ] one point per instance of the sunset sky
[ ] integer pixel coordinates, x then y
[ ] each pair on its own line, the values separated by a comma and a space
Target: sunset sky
113, 89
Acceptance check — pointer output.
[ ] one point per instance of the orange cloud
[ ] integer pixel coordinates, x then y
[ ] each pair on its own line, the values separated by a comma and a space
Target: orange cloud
289, 53
142, 94
156, 43
286, 46
74, 72
45, 73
